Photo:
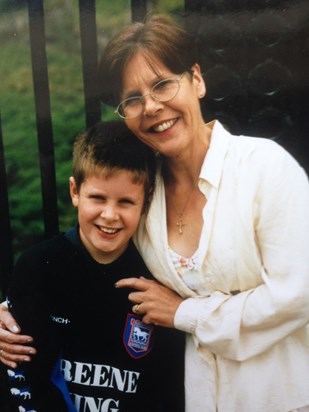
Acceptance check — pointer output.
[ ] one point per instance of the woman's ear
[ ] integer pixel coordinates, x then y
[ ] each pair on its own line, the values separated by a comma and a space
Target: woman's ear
198, 79
73, 191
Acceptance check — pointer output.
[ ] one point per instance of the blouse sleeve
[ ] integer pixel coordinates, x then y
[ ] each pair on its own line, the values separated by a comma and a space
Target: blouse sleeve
241, 326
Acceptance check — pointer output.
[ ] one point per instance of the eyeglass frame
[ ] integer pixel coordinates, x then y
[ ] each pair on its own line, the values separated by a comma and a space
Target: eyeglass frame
142, 98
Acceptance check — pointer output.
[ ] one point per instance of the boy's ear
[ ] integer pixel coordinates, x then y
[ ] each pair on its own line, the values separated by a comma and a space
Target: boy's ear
147, 200
73, 191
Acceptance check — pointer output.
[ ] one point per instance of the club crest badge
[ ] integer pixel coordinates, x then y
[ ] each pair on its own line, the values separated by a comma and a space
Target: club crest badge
137, 337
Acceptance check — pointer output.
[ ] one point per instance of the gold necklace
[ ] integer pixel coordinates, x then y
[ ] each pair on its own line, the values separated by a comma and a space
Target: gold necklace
180, 223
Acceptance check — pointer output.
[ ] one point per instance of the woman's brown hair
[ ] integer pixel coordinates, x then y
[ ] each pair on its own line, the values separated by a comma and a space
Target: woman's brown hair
159, 38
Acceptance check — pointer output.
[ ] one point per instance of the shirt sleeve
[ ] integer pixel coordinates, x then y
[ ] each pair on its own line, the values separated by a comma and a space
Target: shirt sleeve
249, 323
31, 383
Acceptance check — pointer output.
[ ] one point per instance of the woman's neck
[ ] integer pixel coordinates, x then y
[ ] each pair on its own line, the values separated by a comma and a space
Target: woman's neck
184, 169
184, 200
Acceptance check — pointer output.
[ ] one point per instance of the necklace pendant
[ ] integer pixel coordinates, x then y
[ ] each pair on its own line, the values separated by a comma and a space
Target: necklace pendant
180, 225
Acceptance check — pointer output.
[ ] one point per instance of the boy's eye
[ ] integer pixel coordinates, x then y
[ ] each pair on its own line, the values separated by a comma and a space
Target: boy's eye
97, 197
126, 201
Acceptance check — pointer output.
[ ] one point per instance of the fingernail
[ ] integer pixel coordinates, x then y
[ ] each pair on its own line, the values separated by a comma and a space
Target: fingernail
116, 285
31, 352
15, 328
26, 359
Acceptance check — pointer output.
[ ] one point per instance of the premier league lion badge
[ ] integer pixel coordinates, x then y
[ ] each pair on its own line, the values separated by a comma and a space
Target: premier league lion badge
137, 337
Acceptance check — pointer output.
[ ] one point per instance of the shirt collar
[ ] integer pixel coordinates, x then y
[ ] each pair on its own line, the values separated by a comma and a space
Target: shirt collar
212, 167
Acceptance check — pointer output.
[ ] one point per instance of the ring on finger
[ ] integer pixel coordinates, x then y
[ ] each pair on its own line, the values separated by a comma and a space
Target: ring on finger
136, 309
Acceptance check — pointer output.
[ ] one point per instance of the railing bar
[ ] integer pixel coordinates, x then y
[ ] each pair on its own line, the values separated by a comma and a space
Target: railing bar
138, 9
6, 248
43, 116
89, 52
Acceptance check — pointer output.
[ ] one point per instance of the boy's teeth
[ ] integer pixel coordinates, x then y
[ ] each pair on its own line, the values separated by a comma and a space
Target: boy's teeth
109, 231
164, 126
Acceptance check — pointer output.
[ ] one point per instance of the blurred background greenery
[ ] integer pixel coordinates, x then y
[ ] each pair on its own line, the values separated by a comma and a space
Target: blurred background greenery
67, 101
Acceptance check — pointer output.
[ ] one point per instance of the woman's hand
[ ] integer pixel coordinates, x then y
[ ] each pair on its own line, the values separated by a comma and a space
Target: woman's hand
157, 303
12, 344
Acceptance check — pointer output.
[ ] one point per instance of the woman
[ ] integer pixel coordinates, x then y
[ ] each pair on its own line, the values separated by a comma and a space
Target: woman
226, 234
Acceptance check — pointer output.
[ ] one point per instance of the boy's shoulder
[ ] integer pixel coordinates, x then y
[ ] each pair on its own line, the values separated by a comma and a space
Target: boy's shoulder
131, 262
61, 250
56, 248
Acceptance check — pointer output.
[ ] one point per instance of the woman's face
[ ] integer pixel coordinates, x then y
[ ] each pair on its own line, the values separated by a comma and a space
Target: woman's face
169, 127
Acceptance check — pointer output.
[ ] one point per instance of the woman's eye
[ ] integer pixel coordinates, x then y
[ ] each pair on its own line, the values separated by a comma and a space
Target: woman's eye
131, 102
164, 84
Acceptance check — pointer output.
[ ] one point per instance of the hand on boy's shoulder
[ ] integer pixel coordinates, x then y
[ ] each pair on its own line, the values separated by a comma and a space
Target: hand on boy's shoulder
157, 303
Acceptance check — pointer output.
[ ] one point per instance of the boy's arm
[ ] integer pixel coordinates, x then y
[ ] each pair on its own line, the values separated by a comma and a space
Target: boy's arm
31, 383
13, 346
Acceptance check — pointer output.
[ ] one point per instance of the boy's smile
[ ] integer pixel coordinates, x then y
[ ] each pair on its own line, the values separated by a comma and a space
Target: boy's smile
109, 210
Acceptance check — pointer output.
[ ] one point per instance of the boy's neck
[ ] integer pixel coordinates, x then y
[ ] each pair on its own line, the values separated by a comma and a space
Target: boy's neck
103, 258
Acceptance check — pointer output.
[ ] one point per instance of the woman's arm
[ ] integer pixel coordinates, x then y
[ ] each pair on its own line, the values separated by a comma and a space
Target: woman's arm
249, 323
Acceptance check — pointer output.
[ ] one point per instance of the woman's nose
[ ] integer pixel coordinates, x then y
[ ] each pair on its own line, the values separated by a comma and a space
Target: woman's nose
151, 106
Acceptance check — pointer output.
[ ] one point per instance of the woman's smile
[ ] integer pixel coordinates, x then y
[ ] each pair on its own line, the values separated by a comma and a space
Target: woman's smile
162, 127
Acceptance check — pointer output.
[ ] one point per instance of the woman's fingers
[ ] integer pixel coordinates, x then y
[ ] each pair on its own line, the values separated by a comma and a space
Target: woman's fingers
11, 360
7, 321
134, 283
14, 348
10, 354
155, 302
8, 339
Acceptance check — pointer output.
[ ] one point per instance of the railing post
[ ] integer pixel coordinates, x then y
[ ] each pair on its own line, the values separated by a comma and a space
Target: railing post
89, 50
6, 249
138, 9
43, 116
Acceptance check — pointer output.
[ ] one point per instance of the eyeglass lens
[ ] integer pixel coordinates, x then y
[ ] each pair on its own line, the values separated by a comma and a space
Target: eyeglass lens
163, 91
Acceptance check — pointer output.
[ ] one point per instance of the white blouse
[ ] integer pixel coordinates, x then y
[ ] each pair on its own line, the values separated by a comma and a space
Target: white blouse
246, 313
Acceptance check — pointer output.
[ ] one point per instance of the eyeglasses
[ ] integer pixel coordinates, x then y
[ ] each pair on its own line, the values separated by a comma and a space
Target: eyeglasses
163, 91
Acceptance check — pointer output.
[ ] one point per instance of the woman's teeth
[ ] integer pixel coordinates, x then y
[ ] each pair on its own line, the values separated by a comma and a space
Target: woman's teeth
164, 126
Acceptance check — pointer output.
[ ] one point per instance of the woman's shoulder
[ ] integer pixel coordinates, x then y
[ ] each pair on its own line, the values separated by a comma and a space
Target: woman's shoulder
261, 151
250, 156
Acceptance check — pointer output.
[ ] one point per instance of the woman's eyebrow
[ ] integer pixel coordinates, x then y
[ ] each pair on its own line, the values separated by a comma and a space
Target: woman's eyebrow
131, 94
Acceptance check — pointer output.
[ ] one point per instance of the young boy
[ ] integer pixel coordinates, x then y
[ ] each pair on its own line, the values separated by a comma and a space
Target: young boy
112, 361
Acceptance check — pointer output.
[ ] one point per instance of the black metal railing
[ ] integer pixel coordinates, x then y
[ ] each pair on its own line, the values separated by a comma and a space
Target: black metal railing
6, 250
253, 55
89, 55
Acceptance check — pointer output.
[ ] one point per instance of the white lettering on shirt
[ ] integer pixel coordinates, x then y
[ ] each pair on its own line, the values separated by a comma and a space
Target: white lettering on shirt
100, 376
87, 404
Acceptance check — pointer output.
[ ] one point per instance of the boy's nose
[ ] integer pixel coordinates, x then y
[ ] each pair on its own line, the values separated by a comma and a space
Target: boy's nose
109, 212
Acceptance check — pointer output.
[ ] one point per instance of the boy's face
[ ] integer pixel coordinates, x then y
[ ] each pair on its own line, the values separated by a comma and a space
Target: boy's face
109, 210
